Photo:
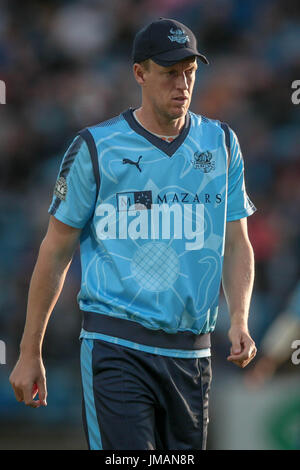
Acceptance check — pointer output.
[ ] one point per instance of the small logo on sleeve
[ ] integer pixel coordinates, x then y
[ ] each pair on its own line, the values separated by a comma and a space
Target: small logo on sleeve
61, 188
202, 161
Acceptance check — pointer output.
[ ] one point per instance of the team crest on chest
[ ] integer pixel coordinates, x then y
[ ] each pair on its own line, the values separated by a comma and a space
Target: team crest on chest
202, 161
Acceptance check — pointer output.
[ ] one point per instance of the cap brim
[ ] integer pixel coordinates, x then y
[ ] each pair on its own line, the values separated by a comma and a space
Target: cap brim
167, 59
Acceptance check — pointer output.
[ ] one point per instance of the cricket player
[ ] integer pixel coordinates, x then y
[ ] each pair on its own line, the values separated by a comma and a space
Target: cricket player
156, 198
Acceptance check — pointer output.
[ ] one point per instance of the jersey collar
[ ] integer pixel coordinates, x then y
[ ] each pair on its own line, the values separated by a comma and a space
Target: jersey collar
167, 147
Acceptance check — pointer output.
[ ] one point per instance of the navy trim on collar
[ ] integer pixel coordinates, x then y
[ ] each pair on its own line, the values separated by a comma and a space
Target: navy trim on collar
167, 147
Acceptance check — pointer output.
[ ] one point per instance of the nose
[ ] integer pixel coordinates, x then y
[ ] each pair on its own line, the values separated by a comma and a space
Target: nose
182, 82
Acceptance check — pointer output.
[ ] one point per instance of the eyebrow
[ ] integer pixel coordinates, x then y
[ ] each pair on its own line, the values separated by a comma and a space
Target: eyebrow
188, 67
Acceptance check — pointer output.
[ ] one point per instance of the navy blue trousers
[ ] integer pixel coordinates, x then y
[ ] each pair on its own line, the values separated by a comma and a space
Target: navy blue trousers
134, 400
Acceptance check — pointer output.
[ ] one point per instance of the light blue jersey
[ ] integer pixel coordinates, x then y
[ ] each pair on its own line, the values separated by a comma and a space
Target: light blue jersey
153, 216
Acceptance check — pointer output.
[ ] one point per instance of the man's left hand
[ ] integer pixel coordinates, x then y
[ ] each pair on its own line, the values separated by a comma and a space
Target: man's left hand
243, 348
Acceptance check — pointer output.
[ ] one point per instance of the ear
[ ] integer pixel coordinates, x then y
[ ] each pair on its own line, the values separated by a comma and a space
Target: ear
139, 73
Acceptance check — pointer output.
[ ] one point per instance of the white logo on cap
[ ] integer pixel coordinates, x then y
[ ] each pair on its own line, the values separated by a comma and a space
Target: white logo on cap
178, 36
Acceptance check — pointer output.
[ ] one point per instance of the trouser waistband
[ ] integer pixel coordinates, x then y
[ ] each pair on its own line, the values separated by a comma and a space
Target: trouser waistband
132, 331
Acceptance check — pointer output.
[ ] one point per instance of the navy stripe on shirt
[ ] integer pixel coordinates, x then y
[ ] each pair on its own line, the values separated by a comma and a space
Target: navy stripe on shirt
66, 167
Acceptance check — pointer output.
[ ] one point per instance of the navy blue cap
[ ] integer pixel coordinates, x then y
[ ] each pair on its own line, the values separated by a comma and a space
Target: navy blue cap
166, 42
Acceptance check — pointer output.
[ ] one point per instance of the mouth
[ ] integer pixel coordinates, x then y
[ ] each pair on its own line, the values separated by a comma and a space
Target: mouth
181, 99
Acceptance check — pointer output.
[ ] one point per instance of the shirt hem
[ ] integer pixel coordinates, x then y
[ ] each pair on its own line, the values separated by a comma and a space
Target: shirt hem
240, 215
65, 220
200, 353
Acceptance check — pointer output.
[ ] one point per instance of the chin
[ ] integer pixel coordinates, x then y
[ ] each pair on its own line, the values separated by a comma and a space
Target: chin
179, 113
174, 112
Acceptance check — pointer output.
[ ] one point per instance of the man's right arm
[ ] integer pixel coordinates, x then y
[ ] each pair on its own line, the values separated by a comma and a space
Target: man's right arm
55, 256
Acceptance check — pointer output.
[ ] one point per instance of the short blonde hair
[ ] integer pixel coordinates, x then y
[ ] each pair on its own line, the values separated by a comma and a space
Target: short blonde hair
145, 64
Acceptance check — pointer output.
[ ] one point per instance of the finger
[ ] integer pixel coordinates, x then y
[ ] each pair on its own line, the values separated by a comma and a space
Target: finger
245, 362
249, 350
238, 357
42, 392
252, 354
28, 397
242, 359
236, 347
34, 390
18, 393
240, 362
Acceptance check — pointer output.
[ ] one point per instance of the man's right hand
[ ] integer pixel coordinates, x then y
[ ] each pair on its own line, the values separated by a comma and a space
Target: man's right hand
55, 255
28, 379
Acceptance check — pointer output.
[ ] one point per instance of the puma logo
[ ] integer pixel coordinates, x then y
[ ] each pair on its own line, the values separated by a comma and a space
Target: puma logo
127, 160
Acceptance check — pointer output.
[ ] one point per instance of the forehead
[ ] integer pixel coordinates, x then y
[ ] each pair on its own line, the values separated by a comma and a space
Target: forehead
182, 65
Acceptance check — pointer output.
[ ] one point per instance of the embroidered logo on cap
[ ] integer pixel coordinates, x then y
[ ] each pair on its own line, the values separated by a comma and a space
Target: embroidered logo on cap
178, 36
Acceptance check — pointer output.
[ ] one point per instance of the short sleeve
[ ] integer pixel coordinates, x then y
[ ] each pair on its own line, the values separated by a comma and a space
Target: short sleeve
75, 190
239, 204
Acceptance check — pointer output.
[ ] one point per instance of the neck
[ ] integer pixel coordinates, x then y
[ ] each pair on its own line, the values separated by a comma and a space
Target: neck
157, 123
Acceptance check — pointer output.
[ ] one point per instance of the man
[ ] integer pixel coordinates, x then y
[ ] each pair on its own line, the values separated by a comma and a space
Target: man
150, 195
280, 343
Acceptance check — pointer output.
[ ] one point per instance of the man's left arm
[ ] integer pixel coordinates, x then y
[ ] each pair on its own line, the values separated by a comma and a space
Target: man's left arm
237, 281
